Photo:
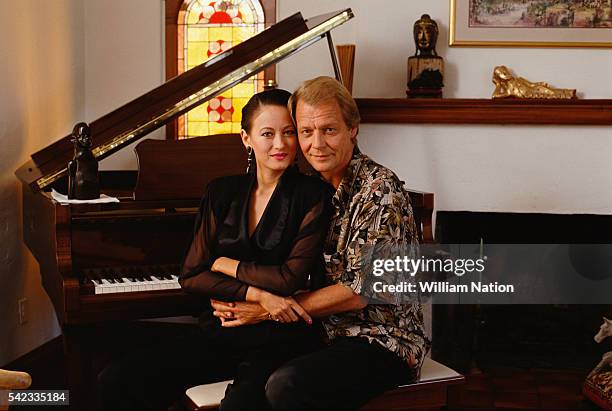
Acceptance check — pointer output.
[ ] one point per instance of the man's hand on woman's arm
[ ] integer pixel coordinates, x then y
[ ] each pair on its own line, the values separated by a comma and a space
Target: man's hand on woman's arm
330, 300
260, 305
320, 303
283, 309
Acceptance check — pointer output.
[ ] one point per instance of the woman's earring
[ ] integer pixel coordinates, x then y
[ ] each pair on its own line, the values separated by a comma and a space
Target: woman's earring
250, 158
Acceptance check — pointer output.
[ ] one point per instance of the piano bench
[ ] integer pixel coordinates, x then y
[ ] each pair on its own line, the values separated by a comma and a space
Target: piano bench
430, 392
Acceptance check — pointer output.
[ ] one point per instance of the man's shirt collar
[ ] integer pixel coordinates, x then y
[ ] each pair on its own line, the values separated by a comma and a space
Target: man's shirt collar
345, 190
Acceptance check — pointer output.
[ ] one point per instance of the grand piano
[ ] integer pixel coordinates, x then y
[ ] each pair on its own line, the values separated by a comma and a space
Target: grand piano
105, 263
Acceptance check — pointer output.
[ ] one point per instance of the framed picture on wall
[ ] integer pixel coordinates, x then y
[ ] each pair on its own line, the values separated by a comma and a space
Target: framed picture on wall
531, 23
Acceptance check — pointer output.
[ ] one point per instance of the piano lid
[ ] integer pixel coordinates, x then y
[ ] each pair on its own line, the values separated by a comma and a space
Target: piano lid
154, 109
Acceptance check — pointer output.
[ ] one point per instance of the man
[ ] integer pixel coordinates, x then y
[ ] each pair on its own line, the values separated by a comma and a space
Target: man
371, 348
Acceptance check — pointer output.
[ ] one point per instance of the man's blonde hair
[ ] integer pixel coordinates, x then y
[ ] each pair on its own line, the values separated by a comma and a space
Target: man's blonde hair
320, 89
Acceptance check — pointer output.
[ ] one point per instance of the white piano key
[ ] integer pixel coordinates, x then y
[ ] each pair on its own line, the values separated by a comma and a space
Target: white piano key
131, 284
115, 287
140, 286
97, 287
120, 286
111, 288
157, 285
163, 283
105, 286
146, 286
149, 286
175, 281
128, 284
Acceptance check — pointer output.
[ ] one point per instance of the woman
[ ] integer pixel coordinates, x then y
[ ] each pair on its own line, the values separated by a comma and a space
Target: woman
258, 237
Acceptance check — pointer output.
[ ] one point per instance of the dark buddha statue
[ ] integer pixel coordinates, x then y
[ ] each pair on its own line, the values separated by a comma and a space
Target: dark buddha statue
425, 68
83, 180
425, 36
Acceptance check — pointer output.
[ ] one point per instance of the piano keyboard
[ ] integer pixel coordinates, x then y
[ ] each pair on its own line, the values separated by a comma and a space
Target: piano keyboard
110, 281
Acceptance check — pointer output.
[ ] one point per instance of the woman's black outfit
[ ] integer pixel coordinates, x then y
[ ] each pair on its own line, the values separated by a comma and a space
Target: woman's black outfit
283, 255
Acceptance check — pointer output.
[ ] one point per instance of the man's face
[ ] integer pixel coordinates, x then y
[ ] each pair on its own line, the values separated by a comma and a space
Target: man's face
325, 139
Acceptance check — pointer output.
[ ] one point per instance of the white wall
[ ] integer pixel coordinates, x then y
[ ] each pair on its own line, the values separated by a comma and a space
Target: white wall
522, 169
124, 58
62, 62
42, 83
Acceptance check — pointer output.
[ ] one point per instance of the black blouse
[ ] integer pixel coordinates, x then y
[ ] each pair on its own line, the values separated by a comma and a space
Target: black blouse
283, 251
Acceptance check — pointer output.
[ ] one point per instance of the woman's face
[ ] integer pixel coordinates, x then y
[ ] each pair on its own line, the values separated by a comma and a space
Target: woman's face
272, 137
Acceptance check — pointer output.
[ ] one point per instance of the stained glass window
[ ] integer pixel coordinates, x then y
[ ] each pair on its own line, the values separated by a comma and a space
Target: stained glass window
205, 29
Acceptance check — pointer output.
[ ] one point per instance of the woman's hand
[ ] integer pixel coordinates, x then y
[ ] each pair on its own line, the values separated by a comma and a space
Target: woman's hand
225, 265
238, 313
283, 309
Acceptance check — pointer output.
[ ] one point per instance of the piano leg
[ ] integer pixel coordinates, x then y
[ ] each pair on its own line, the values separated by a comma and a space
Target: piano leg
79, 370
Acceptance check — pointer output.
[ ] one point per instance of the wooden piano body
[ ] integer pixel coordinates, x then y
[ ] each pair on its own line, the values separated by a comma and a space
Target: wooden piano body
147, 233
143, 234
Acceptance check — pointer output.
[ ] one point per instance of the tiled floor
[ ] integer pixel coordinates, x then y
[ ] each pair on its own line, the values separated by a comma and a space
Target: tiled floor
520, 389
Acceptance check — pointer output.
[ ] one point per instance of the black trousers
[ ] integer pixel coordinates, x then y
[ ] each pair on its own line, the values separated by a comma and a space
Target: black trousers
154, 377
342, 376
291, 370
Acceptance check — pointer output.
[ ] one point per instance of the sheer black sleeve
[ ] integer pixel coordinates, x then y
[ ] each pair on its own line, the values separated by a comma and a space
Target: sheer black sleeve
304, 259
196, 276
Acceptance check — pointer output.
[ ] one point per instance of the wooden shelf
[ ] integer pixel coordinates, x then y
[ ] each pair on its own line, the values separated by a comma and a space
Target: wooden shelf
485, 111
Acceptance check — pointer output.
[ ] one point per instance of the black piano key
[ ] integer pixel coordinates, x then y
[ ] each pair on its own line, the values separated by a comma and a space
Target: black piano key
125, 272
90, 275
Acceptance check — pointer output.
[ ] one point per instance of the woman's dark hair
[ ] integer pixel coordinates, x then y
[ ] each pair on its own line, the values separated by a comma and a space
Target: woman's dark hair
274, 97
